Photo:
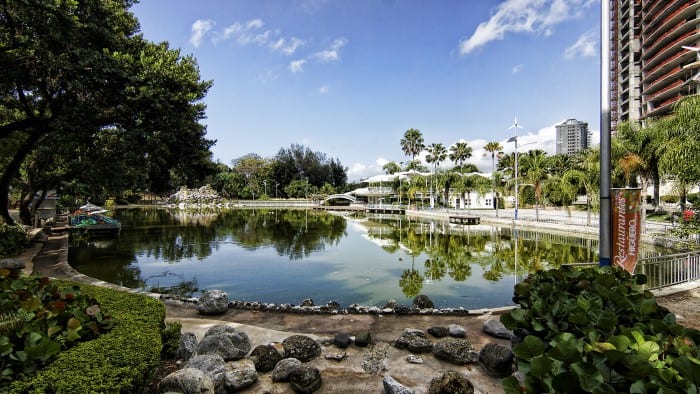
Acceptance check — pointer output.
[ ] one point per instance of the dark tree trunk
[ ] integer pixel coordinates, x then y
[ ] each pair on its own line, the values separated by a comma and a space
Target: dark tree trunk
12, 169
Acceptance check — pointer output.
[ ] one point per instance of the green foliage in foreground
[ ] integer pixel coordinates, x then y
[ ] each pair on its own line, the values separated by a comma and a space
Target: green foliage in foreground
597, 331
123, 360
13, 240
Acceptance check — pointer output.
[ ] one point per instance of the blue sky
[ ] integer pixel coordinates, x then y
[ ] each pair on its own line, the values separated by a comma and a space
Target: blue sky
349, 77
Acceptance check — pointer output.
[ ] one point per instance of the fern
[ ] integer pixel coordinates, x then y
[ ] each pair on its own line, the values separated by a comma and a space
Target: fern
11, 321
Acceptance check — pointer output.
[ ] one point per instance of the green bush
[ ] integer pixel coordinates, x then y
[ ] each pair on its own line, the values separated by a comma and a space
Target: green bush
122, 360
694, 198
13, 240
39, 320
596, 330
171, 339
670, 199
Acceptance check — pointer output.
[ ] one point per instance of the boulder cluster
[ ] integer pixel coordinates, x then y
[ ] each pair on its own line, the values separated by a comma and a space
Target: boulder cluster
203, 195
224, 360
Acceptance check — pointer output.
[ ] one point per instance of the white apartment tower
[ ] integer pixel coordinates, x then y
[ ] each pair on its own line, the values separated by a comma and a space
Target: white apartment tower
572, 136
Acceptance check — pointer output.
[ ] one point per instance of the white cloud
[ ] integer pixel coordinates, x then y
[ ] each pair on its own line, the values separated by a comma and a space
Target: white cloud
518, 68
254, 24
287, 47
247, 33
268, 76
199, 29
332, 53
323, 89
297, 66
523, 16
586, 46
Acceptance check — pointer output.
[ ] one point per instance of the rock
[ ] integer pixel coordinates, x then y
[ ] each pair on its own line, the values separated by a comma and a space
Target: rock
495, 328
414, 341
213, 302
239, 339
496, 360
212, 365
335, 356
12, 264
413, 359
342, 340
305, 379
422, 301
391, 386
265, 357
187, 346
374, 361
391, 304
456, 351
219, 344
402, 310
307, 302
301, 347
284, 368
239, 374
363, 339
451, 382
457, 331
186, 380
438, 332
333, 305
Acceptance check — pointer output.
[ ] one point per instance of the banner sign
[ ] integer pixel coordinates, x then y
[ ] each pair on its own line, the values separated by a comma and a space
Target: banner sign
626, 227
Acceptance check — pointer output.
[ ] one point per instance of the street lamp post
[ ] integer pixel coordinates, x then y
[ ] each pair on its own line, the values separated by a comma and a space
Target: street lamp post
265, 185
514, 138
276, 184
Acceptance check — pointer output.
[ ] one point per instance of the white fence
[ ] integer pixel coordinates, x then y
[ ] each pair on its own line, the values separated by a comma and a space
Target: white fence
663, 271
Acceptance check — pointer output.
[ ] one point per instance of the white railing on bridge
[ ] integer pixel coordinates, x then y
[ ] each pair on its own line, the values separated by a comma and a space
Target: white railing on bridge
380, 190
664, 271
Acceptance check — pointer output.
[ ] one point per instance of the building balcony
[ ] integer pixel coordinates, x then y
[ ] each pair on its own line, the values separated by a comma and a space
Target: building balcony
651, 60
658, 83
653, 30
672, 38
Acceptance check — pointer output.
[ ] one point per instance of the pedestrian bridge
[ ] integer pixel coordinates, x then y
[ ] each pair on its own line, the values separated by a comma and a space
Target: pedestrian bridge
345, 196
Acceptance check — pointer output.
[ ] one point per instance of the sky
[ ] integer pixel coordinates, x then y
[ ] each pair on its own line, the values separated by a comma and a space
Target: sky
348, 77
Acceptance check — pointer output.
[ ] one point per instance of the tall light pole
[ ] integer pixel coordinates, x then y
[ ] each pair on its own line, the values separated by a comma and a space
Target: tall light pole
265, 183
514, 138
276, 184
605, 222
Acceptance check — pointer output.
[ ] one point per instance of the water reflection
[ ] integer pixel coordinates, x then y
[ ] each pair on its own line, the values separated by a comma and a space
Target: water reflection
359, 259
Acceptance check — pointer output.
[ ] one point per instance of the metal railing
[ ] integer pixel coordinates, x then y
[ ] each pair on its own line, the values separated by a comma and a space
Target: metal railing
664, 271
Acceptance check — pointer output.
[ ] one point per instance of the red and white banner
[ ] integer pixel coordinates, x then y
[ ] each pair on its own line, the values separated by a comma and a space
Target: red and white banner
626, 227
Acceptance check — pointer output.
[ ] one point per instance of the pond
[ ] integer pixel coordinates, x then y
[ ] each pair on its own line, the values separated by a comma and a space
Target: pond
284, 256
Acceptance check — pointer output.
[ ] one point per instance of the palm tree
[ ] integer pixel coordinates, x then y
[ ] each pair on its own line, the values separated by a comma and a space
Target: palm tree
629, 163
412, 143
460, 152
494, 148
437, 153
586, 175
534, 170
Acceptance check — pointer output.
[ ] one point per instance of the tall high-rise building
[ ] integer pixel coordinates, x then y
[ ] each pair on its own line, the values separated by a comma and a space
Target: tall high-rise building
572, 136
650, 70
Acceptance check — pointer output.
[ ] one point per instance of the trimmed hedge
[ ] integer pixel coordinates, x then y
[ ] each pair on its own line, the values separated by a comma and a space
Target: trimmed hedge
121, 361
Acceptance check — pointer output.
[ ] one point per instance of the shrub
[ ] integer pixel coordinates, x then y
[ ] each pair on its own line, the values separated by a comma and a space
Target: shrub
171, 339
122, 360
597, 330
670, 199
13, 240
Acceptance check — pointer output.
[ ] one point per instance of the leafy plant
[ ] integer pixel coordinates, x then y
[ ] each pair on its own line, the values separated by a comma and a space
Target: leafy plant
13, 240
597, 331
41, 321
171, 339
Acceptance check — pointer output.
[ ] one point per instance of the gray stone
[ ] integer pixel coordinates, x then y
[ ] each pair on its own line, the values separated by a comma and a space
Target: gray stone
301, 347
305, 379
12, 264
422, 301
495, 328
342, 340
265, 357
456, 351
212, 365
391, 386
219, 344
391, 304
457, 331
413, 359
414, 341
186, 381
187, 346
363, 339
336, 356
307, 302
451, 382
213, 302
438, 332
374, 360
239, 339
496, 360
283, 369
239, 374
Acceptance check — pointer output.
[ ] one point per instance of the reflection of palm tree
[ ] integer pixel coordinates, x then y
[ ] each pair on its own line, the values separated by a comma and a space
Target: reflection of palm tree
411, 282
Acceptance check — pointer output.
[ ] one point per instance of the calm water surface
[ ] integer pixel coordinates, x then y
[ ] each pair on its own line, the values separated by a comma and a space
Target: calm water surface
285, 256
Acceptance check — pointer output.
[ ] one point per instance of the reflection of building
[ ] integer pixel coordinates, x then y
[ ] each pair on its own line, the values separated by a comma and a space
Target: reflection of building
572, 136
649, 67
